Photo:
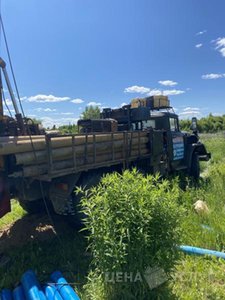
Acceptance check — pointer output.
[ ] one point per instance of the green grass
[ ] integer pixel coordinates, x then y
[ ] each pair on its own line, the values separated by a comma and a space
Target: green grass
193, 278
200, 277
16, 213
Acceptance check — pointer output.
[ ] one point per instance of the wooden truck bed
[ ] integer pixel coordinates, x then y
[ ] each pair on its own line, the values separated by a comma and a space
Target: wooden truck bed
47, 157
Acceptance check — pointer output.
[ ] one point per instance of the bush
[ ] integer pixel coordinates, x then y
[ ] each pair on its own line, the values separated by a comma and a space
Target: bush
133, 223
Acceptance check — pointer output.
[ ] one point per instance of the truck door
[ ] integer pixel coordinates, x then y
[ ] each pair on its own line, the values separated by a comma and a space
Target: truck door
177, 141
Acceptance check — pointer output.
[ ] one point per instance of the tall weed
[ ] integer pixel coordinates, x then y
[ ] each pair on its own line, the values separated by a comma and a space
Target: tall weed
133, 223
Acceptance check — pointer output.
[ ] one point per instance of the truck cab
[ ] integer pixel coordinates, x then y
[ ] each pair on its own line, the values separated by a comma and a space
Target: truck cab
179, 150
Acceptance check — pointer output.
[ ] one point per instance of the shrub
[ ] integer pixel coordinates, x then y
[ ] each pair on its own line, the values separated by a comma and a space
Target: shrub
132, 223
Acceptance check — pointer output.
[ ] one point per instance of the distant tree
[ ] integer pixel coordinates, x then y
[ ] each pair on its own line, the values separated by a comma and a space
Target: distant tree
68, 129
91, 112
209, 124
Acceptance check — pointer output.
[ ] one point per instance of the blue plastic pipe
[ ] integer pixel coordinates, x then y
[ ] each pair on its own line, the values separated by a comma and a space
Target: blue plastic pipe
52, 293
201, 251
42, 295
31, 286
65, 290
18, 293
6, 294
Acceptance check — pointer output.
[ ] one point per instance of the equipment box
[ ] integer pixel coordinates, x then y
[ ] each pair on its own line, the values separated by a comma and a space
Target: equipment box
153, 102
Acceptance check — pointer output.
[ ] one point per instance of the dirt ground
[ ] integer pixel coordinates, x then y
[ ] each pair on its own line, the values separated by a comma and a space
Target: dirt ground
31, 227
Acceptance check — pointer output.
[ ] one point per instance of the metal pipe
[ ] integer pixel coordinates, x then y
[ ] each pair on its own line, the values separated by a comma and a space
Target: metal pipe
2, 64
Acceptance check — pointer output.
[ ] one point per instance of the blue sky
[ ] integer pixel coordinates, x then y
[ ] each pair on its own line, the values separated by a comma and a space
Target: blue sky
68, 54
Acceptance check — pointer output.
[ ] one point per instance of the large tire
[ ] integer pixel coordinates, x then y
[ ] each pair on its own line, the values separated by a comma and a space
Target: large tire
195, 167
87, 181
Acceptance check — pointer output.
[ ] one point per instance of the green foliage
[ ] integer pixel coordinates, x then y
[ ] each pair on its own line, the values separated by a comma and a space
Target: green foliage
91, 112
209, 124
133, 223
68, 129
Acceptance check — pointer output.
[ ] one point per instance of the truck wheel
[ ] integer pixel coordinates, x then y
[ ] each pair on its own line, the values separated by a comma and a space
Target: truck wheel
87, 181
195, 167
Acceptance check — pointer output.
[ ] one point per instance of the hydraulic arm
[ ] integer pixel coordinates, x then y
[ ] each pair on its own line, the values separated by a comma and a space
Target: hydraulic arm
18, 114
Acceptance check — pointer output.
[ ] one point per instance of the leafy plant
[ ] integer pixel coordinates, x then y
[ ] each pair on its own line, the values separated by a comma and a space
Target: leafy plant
91, 112
133, 223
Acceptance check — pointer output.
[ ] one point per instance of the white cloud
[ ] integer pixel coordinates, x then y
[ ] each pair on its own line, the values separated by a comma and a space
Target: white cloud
220, 45
49, 122
198, 45
213, 76
191, 108
155, 92
47, 98
122, 104
201, 32
39, 109
168, 82
67, 113
8, 102
23, 98
93, 103
173, 92
137, 89
49, 109
77, 101
190, 112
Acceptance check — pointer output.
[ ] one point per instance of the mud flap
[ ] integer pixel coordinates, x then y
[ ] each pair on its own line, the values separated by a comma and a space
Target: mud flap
5, 205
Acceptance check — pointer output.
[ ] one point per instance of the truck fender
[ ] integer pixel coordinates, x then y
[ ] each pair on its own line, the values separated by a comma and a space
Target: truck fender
200, 150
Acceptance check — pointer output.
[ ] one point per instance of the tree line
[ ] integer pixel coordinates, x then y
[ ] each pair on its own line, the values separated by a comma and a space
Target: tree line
90, 112
209, 124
